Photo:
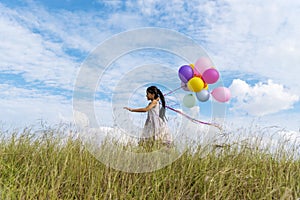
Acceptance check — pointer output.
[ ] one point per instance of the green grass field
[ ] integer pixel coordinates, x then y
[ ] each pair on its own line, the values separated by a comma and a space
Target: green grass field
43, 167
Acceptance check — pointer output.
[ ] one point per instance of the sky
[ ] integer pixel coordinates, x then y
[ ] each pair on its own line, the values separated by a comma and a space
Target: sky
255, 45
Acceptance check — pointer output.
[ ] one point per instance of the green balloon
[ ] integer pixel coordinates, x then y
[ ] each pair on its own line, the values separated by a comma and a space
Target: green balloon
189, 100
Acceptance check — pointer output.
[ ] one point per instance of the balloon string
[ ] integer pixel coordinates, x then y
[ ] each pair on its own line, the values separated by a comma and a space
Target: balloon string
192, 119
173, 91
185, 115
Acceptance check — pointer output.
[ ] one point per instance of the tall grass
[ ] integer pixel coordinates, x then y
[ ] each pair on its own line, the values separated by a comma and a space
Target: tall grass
43, 167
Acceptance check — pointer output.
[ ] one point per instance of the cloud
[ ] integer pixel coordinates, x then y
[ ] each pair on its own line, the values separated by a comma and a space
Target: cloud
22, 107
49, 46
99, 134
257, 37
46, 46
234, 33
37, 58
262, 98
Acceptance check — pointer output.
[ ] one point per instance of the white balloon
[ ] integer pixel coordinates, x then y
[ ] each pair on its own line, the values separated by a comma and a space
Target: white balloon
189, 100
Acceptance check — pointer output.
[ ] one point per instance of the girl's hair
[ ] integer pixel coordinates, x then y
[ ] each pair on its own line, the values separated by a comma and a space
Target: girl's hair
157, 93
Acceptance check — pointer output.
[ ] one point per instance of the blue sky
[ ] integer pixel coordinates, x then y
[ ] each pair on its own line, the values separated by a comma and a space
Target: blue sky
254, 44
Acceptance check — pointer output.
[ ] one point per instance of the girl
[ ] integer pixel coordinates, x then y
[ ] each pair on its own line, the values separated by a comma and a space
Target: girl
155, 126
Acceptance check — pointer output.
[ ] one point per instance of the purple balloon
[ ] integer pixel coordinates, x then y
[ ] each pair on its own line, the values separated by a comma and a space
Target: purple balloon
184, 86
210, 76
185, 73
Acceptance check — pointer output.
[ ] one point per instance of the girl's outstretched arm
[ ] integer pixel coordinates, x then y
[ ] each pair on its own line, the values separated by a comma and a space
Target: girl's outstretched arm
151, 105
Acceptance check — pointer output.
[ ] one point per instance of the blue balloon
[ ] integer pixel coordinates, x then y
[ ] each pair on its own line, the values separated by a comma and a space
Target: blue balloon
203, 95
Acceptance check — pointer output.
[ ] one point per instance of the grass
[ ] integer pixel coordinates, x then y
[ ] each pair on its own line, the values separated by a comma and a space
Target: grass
44, 167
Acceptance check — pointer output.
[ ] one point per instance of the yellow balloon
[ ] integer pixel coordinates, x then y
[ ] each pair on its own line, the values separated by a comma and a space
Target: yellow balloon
195, 84
192, 66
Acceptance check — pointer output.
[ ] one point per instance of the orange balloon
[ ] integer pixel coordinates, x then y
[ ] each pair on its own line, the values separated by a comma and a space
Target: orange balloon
205, 86
192, 66
197, 74
195, 84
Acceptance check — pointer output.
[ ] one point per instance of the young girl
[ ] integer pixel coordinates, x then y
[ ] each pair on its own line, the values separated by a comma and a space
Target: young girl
155, 126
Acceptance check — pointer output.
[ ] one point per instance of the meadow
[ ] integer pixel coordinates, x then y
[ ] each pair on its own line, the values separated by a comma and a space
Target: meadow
43, 167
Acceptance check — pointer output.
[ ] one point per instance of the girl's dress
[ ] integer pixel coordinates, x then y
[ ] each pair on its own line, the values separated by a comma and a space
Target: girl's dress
155, 127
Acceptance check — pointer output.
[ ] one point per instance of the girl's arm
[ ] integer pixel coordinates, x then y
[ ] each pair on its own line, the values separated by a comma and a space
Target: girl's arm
151, 105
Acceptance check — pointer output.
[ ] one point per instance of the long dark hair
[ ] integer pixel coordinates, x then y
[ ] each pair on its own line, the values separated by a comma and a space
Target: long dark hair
157, 93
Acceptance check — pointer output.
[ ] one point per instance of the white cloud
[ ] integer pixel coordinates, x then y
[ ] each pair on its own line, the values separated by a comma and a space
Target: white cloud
38, 42
287, 121
97, 135
20, 107
250, 36
23, 51
292, 137
257, 37
80, 119
35, 44
262, 98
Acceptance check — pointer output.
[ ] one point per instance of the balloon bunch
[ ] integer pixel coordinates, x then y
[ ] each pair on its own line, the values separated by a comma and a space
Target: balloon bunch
196, 77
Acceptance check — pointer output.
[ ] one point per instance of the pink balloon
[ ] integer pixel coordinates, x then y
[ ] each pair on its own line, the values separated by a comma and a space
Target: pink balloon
221, 94
184, 86
203, 64
210, 75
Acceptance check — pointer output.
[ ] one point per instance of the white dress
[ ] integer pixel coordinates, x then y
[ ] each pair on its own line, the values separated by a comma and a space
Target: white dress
155, 127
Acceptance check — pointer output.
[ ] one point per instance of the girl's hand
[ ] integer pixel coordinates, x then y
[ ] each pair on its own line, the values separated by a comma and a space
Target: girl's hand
127, 108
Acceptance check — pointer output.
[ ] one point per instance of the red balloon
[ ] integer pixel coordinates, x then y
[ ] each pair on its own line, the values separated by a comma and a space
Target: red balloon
197, 74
